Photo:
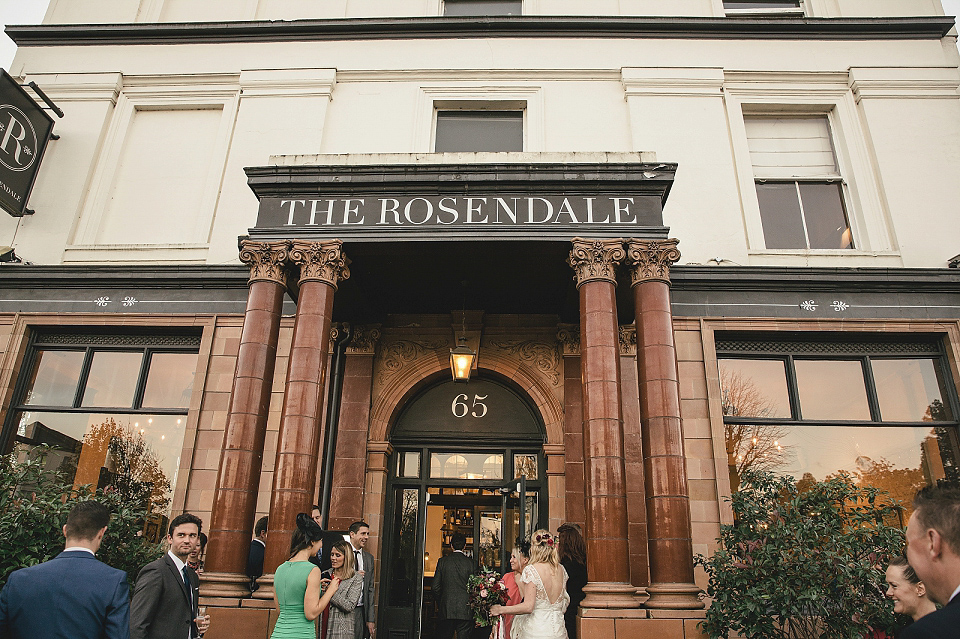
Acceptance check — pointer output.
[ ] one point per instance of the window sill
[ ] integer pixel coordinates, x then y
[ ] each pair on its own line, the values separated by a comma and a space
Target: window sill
127, 253
774, 13
824, 257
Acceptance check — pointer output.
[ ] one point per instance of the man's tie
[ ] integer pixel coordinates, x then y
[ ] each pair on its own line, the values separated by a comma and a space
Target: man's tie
186, 582
356, 555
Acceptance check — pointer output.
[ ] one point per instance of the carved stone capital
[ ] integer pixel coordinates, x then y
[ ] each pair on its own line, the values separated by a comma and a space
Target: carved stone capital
568, 335
651, 259
594, 260
321, 261
628, 339
364, 339
266, 260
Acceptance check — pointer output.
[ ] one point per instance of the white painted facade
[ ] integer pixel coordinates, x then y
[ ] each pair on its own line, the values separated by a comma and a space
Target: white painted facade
148, 167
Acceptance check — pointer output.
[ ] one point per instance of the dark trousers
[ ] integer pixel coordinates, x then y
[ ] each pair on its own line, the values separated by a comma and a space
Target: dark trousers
359, 623
446, 628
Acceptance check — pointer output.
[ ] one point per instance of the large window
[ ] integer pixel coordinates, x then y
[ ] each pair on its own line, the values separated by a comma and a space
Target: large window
107, 410
799, 186
882, 413
464, 131
482, 7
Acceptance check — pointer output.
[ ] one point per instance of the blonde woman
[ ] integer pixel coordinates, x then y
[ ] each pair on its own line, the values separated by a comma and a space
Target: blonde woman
340, 624
544, 586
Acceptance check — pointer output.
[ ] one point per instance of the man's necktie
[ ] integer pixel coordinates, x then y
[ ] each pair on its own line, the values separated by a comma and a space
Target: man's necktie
186, 582
356, 555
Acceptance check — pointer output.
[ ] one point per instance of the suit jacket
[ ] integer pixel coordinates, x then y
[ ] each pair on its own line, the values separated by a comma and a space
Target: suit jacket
450, 586
255, 559
368, 616
159, 608
72, 596
942, 624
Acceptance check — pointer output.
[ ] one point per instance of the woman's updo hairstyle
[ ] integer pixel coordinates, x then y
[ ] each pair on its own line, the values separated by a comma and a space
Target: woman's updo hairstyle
543, 549
522, 546
904, 565
307, 532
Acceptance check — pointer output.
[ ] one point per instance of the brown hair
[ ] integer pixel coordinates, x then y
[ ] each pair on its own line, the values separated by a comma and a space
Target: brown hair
571, 545
349, 568
904, 565
938, 507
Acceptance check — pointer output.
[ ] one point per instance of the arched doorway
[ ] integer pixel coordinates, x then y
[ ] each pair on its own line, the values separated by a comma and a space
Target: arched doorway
467, 458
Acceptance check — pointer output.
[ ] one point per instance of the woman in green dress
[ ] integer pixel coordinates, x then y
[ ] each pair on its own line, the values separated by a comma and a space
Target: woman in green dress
297, 585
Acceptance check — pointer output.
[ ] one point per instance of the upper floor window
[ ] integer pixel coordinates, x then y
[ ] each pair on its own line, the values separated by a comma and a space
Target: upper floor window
799, 185
482, 7
465, 131
763, 6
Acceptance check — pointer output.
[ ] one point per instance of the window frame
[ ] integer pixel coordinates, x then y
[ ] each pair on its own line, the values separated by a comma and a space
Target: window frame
36, 344
465, 109
798, 11
873, 402
802, 94
443, 6
474, 96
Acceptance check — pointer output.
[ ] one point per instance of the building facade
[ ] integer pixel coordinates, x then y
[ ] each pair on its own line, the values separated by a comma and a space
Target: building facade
683, 240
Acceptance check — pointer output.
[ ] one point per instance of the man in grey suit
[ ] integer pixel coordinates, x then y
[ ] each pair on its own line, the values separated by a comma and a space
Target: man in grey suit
364, 620
450, 590
164, 602
72, 596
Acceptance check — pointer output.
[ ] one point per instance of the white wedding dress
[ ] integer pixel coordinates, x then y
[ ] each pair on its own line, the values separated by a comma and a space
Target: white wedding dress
546, 620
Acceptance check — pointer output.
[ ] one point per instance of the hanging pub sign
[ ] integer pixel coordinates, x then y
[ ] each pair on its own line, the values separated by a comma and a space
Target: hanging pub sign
25, 129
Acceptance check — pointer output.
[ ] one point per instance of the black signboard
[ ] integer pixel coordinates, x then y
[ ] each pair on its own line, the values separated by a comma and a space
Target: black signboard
486, 214
25, 129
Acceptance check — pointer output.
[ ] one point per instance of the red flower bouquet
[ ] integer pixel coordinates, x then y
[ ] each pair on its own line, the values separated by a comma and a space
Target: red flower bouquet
485, 590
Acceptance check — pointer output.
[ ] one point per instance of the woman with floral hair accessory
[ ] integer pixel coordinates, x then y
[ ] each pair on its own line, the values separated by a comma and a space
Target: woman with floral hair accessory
543, 583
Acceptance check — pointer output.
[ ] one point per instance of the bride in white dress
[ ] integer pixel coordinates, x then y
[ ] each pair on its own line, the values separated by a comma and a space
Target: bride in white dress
544, 586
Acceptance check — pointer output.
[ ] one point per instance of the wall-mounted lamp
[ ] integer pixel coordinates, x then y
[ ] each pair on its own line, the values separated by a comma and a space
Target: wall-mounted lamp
461, 361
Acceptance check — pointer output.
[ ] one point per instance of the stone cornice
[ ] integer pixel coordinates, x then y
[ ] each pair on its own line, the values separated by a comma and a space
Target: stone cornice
738, 28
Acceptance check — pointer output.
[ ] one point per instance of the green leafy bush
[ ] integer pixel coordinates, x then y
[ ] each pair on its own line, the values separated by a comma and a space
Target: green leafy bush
802, 562
34, 502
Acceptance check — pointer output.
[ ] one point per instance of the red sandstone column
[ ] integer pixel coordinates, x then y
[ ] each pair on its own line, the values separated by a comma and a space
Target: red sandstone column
608, 557
668, 504
322, 267
235, 501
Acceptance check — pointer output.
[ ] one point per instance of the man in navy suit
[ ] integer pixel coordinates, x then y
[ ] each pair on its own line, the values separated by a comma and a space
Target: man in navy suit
933, 549
72, 596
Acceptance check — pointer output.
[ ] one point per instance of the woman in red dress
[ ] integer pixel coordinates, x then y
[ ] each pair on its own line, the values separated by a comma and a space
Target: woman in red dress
519, 558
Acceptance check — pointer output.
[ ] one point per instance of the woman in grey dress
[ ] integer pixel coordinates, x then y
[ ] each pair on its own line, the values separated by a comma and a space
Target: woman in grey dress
340, 624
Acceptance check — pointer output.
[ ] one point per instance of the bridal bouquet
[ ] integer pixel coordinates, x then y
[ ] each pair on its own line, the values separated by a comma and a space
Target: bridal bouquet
485, 590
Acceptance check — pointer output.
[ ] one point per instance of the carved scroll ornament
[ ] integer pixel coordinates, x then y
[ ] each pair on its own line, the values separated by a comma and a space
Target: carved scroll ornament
265, 259
321, 261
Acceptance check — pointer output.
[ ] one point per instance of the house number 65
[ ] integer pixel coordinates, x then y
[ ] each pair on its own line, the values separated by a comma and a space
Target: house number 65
460, 408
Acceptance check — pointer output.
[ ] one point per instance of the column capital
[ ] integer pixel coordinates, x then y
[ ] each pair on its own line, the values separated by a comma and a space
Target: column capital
595, 260
651, 259
321, 261
265, 259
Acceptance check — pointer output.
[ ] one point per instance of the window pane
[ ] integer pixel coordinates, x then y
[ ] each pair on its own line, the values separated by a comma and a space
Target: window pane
137, 454
831, 389
898, 460
482, 7
409, 464
112, 380
827, 226
754, 388
780, 216
466, 466
909, 390
465, 131
170, 380
54, 378
525, 466
404, 572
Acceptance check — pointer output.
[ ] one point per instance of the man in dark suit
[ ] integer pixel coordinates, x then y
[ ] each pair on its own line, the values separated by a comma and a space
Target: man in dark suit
258, 546
72, 596
164, 602
933, 549
364, 620
450, 589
